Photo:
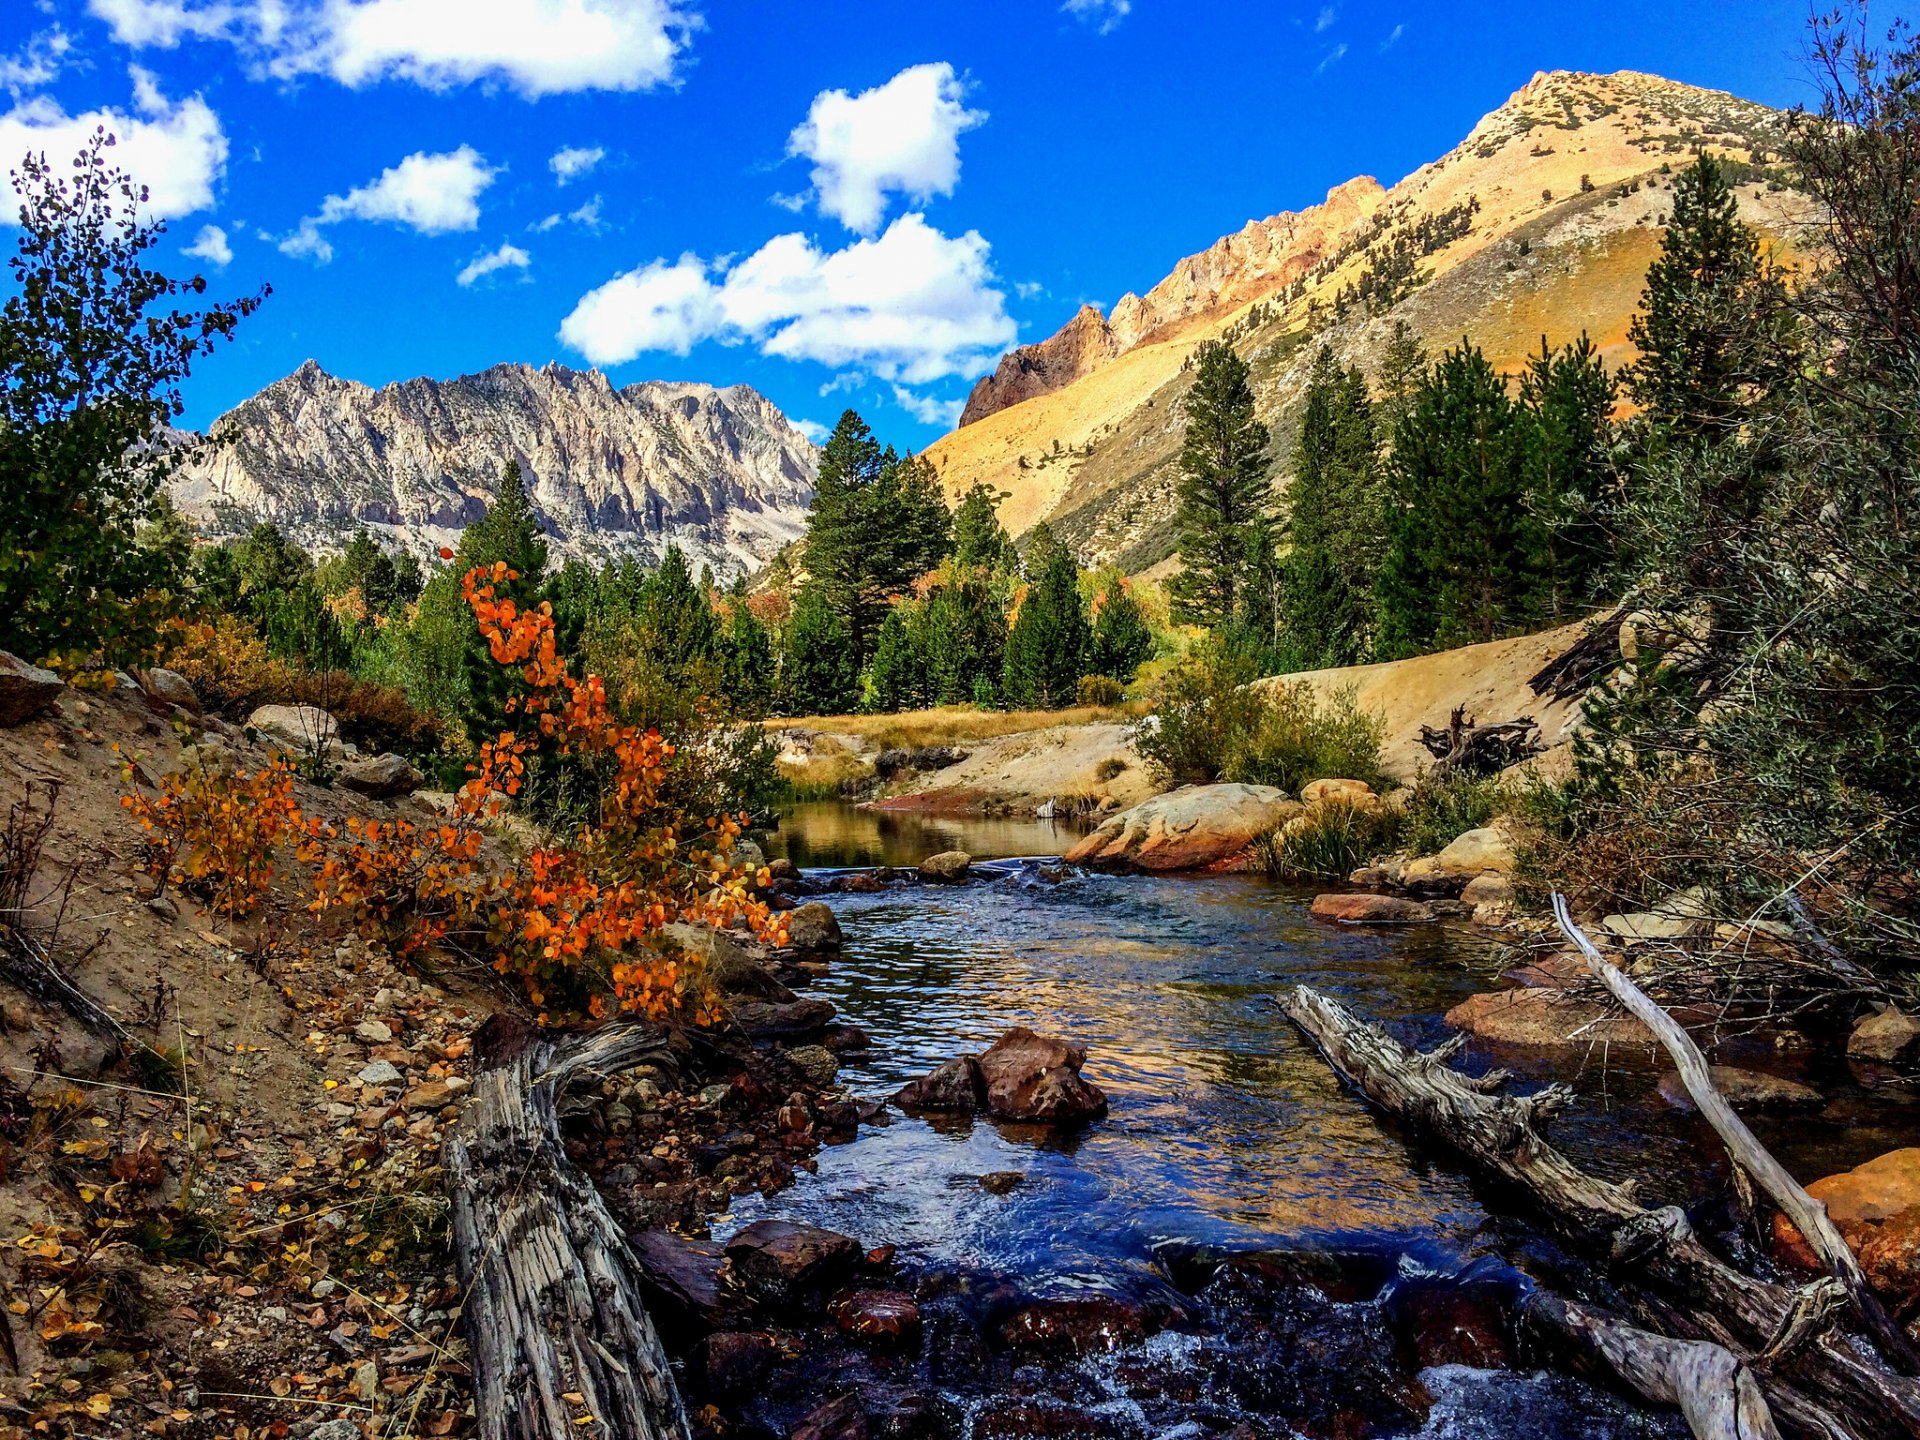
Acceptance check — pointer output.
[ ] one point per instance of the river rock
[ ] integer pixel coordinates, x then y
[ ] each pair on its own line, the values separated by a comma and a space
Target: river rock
301, 730
1489, 889
1367, 909
886, 1318
732, 1363
1744, 1090
838, 1419
1037, 1078
1453, 1320
781, 868
685, 1283
728, 966
1001, 1182
1889, 1036
1475, 852
1357, 793
381, 776
1072, 1328
1876, 1209
1198, 827
1542, 1018
953, 1085
780, 1262
25, 690
813, 926
947, 867
770, 1019
816, 1062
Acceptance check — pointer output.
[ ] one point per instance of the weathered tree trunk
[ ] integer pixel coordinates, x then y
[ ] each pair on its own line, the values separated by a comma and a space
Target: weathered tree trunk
1817, 1380
1719, 1395
1466, 747
25, 964
1809, 1217
1574, 669
561, 1343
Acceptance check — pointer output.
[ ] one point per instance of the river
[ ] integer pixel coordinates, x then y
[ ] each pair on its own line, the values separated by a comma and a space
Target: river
1226, 1133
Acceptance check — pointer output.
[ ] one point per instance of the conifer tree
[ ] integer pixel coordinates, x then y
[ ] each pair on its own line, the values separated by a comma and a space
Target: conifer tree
508, 532
1403, 361
1048, 641
817, 673
1224, 484
978, 536
678, 630
963, 635
1121, 641
1328, 580
897, 679
749, 665
1255, 627
1568, 399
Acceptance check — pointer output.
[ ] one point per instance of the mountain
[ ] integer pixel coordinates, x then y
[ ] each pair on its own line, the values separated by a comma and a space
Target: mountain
1542, 221
721, 472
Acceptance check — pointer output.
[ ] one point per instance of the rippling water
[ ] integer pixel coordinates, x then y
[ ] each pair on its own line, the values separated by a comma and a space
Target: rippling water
1226, 1129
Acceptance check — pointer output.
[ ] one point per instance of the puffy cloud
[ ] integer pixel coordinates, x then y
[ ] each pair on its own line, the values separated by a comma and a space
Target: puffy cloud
912, 305
902, 137
175, 148
574, 161
433, 194
539, 47
928, 409
586, 216
36, 63
211, 246
507, 257
1103, 15
812, 429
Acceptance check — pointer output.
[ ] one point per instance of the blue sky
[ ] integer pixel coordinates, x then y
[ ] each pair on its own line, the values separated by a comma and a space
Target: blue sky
837, 203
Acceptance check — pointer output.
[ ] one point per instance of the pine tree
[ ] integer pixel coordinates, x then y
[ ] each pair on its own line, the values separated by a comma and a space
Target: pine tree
963, 633
1568, 397
1048, 641
1711, 318
1224, 484
978, 536
679, 633
1255, 628
1403, 363
749, 665
897, 679
507, 533
1121, 640
1328, 579
817, 673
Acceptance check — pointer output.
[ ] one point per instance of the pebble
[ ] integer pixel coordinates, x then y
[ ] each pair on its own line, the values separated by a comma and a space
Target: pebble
374, 1032
380, 1072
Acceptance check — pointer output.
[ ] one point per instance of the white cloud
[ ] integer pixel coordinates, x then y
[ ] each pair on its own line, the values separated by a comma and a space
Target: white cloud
1393, 38
812, 429
586, 216
1331, 58
36, 63
1028, 289
912, 305
176, 149
902, 137
1324, 21
539, 47
1103, 15
433, 194
211, 246
927, 409
507, 257
574, 161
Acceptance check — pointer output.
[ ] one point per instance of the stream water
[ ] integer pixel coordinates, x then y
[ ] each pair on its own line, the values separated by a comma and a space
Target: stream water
1226, 1134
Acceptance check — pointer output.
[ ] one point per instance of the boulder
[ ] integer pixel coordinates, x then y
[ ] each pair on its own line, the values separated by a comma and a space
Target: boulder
816, 1062
25, 690
1876, 1209
302, 730
947, 867
381, 776
1368, 909
1678, 917
1745, 1090
1488, 889
1889, 1036
1344, 792
770, 1019
1071, 1328
730, 1364
1543, 1018
813, 926
781, 868
685, 1283
728, 967
1037, 1078
749, 855
885, 1318
172, 688
1476, 852
953, 1085
1453, 1320
1198, 827
781, 1262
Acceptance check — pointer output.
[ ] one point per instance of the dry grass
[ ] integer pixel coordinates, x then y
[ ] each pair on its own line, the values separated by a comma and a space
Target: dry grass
828, 776
958, 724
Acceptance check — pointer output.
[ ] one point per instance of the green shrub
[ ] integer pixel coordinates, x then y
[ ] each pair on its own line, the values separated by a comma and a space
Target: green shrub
1098, 690
1201, 711
1438, 811
1333, 842
1296, 738
1110, 768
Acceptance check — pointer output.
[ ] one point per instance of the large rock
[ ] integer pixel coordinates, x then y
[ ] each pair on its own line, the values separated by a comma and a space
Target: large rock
1889, 1036
953, 1085
1199, 827
25, 690
1037, 1078
813, 926
771, 1019
172, 688
1543, 1018
302, 730
1366, 909
1744, 1090
1488, 850
947, 867
1357, 793
1876, 1209
727, 966
381, 776
781, 1262
1679, 917
685, 1282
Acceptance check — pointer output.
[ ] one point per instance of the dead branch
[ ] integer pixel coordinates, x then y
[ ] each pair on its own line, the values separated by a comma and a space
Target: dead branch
1574, 669
1466, 747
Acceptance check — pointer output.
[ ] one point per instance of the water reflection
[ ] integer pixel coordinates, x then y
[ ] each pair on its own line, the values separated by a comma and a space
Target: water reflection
826, 834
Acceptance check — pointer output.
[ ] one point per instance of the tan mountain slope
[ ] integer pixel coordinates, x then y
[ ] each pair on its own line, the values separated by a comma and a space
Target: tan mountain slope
1542, 221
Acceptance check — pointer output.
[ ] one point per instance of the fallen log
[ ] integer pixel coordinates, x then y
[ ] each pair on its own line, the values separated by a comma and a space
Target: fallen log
560, 1340
1466, 747
1809, 1217
1818, 1378
1718, 1393
1574, 669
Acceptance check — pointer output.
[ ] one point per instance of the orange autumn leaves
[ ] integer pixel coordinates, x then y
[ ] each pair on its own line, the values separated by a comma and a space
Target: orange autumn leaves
578, 921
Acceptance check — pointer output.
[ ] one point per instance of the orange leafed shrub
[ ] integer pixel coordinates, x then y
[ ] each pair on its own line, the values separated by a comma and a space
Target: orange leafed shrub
215, 833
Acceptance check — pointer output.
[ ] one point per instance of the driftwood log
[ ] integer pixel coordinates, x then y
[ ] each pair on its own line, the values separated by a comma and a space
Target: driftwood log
1574, 669
1809, 1217
561, 1343
1466, 747
1818, 1376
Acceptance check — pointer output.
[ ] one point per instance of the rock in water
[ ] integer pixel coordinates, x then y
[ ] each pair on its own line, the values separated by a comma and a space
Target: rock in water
946, 867
1037, 1077
1539, 1018
1366, 909
25, 690
954, 1085
381, 776
1744, 1090
1488, 850
1199, 827
685, 1283
780, 1262
813, 926
1889, 1036
888, 1318
1876, 1209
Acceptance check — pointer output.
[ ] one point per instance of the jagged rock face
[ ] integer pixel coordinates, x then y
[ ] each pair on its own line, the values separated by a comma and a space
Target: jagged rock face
1079, 348
722, 473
